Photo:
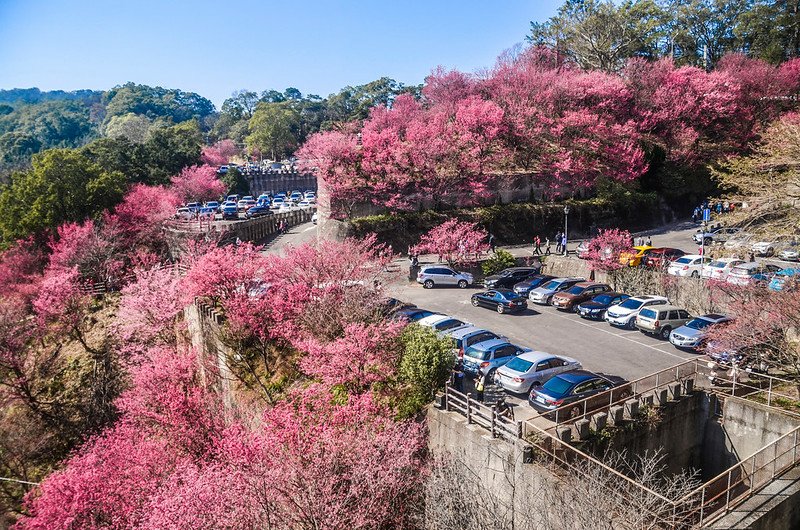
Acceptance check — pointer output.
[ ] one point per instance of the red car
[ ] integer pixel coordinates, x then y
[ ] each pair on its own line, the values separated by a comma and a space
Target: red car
660, 258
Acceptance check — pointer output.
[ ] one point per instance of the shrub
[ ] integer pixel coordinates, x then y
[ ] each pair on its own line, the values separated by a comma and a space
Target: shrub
425, 365
502, 259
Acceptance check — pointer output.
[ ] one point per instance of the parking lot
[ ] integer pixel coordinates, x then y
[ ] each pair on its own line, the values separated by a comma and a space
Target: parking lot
598, 346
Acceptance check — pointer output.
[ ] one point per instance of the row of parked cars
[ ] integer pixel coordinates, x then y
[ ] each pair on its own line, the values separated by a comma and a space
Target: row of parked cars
550, 381
734, 238
233, 205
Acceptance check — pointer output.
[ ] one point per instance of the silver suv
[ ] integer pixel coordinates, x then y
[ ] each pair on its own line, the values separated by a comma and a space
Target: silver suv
433, 275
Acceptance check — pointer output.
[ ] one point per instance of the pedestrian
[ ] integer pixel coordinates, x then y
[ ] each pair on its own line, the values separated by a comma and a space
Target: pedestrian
649, 242
480, 384
558, 242
547, 246
700, 251
457, 379
537, 242
752, 257
491, 242
564, 243
719, 208
726, 207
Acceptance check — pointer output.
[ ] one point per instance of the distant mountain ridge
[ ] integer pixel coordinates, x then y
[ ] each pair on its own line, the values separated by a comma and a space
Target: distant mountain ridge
34, 95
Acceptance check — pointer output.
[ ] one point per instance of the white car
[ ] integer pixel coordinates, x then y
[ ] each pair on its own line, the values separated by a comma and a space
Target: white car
764, 248
719, 269
688, 265
442, 323
624, 315
433, 275
184, 214
532, 369
305, 204
789, 254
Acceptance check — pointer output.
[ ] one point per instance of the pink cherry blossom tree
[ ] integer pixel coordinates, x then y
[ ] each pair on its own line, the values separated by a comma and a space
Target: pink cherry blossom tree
605, 249
198, 183
454, 241
220, 153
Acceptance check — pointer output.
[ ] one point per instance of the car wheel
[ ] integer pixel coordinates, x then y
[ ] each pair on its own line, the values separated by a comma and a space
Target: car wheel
574, 412
665, 332
625, 394
501, 309
601, 315
695, 274
475, 302
631, 323
549, 300
428, 284
707, 241
770, 252
462, 284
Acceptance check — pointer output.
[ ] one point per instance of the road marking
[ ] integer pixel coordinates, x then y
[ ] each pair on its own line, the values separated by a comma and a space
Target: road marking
312, 227
623, 337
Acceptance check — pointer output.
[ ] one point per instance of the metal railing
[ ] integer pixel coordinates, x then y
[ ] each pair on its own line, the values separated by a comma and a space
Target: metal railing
708, 502
481, 414
718, 496
98, 288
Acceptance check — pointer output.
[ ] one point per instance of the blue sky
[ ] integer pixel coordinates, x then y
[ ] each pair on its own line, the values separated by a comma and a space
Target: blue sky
214, 48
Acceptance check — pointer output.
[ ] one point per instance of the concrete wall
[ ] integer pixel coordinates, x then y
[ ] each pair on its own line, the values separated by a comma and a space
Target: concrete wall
204, 326
274, 182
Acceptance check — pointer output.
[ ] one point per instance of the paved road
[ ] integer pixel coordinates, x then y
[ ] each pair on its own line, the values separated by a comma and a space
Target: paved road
598, 346
296, 235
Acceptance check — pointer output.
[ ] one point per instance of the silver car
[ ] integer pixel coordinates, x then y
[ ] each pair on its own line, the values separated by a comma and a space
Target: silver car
691, 334
543, 295
532, 369
433, 275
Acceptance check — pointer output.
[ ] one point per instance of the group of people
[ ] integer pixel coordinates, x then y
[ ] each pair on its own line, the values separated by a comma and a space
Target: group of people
718, 207
561, 245
642, 242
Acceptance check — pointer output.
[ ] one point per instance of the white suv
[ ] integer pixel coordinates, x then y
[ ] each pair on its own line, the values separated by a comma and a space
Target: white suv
688, 265
624, 314
433, 275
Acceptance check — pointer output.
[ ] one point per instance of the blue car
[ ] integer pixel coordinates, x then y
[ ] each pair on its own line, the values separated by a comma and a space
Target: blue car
230, 212
501, 300
573, 386
486, 357
781, 278
596, 307
412, 314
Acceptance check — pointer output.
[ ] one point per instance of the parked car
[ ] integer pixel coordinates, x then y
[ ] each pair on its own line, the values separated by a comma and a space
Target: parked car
596, 307
532, 369
194, 206
524, 288
433, 275
543, 295
566, 388
222, 170
184, 214
487, 356
213, 204
660, 258
305, 203
580, 292
692, 334
391, 305
501, 300
764, 248
232, 198
412, 314
789, 254
467, 336
752, 273
207, 213
783, 279
661, 320
624, 314
720, 268
230, 212
633, 257
507, 278
689, 265
719, 235
244, 204
258, 211
582, 250
441, 322
277, 202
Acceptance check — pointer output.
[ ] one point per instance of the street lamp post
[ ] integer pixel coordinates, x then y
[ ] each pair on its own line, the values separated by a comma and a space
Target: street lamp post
566, 238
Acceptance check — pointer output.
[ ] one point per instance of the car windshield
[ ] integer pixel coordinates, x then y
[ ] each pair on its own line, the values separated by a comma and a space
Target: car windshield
647, 313
556, 386
718, 264
552, 284
576, 290
602, 299
630, 303
449, 324
519, 365
477, 354
698, 323
683, 260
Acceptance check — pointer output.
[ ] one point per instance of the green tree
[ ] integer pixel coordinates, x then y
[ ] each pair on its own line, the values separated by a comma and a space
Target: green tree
700, 32
425, 365
601, 34
170, 149
770, 30
502, 259
61, 186
119, 154
156, 102
274, 129
132, 127
16, 148
236, 182
354, 103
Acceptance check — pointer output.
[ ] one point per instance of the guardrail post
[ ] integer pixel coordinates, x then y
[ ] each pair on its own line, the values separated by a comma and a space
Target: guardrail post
469, 408
774, 457
794, 448
728, 492
769, 392
702, 504
447, 397
494, 417
752, 475
656, 382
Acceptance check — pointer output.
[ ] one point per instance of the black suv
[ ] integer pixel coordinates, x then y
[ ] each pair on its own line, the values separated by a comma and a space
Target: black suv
508, 277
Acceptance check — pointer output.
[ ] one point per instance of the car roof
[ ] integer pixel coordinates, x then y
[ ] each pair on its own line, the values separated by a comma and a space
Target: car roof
489, 344
748, 265
728, 260
713, 316
440, 266
503, 290
588, 284
569, 279
648, 297
462, 332
665, 307
536, 356
578, 376
431, 320
691, 256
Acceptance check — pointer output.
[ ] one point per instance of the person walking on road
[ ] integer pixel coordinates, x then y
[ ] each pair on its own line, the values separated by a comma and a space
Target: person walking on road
492, 244
558, 242
547, 246
564, 243
537, 246
480, 385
